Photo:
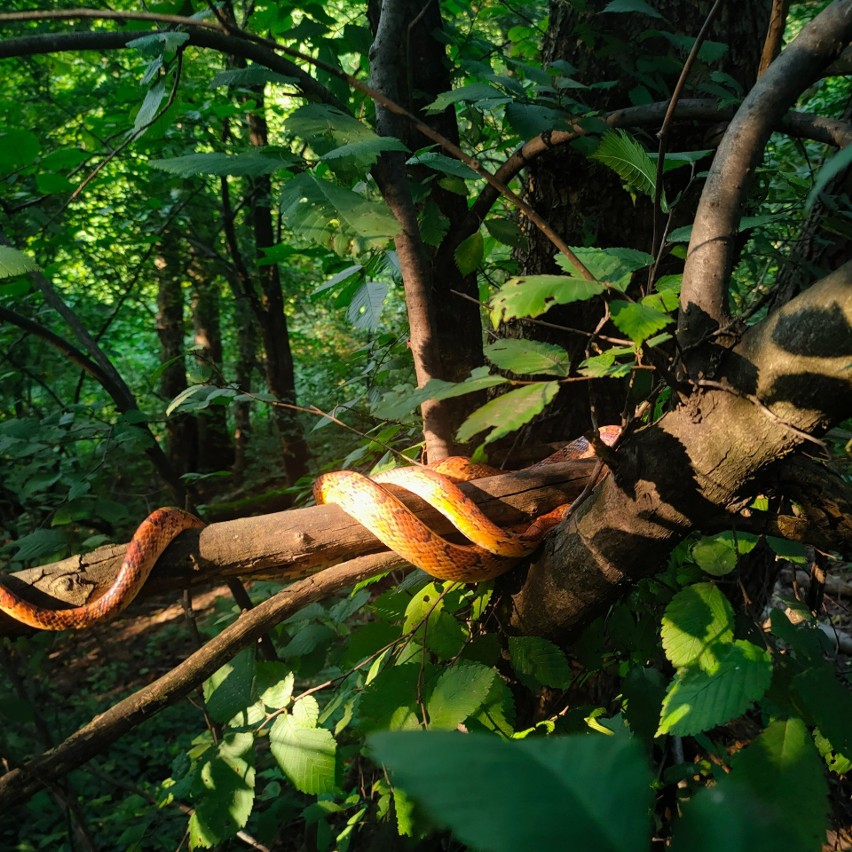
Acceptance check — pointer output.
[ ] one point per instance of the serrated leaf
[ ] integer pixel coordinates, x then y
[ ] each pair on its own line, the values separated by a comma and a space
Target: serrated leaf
792, 551
39, 545
497, 712
508, 412
229, 689
469, 253
775, 797
829, 704
459, 692
533, 295
628, 159
318, 210
614, 265
638, 321
528, 357
365, 309
539, 659
444, 164
364, 152
696, 617
307, 756
274, 683
702, 698
14, 262
605, 366
18, 148
506, 231
717, 554
532, 794
317, 122
223, 792
150, 104
390, 701
247, 164
471, 92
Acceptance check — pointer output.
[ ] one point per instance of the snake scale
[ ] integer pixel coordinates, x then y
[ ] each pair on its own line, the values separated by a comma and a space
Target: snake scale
371, 502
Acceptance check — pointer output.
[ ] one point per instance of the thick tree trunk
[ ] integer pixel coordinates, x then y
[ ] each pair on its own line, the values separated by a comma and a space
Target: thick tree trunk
585, 202
789, 376
409, 66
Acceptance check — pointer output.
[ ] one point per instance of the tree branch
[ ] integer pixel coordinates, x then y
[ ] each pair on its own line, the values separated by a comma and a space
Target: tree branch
18, 785
704, 293
701, 459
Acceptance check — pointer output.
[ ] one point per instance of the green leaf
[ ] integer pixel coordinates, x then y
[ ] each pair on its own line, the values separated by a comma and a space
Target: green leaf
533, 295
533, 794
230, 689
717, 554
497, 712
390, 701
151, 103
775, 797
614, 265
628, 159
792, 551
508, 412
223, 792
700, 698
829, 704
538, 659
18, 148
247, 164
444, 164
14, 262
306, 755
831, 167
365, 309
639, 7
254, 75
317, 210
459, 692
318, 123
697, 617
469, 253
364, 152
395, 406
40, 545
638, 321
506, 231
528, 357
472, 92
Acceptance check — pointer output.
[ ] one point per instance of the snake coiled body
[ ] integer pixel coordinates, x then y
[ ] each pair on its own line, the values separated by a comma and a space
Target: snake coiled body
371, 501
493, 551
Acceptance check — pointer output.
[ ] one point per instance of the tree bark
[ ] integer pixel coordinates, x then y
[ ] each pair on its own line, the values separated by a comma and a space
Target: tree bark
787, 379
290, 544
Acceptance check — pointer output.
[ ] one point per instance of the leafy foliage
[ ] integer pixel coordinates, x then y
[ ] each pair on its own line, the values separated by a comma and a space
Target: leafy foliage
507, 742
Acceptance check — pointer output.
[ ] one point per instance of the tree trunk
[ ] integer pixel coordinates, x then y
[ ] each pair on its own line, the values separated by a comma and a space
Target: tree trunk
215, 450
408, 65
180, 429
585, 202
789, 376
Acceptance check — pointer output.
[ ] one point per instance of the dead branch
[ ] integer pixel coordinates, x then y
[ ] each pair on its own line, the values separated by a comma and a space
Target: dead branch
286, 545
19, 784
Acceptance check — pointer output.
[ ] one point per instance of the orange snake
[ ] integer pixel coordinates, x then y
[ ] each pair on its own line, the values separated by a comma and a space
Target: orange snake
371, 502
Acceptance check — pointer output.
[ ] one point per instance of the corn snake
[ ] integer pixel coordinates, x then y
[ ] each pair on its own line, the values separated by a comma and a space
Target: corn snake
372, 503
